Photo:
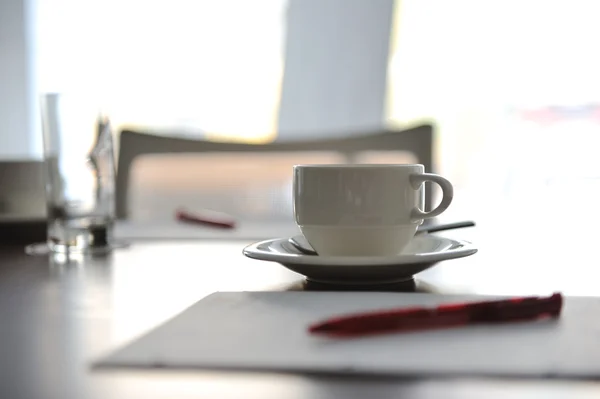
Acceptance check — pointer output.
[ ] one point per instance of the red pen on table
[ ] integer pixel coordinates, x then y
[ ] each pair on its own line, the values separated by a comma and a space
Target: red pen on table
208, 218
443, 316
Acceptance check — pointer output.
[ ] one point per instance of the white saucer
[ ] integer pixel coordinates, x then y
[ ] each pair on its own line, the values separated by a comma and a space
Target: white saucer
422, 253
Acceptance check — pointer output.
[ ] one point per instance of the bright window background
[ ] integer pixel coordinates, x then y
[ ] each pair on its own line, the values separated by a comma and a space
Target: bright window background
209, 66
514, 89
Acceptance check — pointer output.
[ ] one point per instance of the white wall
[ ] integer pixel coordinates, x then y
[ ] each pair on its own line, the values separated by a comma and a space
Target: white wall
336, 57
19, 126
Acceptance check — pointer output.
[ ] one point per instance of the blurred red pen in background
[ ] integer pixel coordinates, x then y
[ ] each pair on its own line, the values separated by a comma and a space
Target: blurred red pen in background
205, 218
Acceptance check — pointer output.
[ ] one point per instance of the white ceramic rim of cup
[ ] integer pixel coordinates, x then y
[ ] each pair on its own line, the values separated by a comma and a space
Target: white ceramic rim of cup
359, 165
368, 226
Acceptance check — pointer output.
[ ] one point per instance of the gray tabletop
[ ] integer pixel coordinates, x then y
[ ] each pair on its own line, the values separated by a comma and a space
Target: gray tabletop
57, 314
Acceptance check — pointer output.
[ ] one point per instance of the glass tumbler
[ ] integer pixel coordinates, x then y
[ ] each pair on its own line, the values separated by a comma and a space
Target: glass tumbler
80, 179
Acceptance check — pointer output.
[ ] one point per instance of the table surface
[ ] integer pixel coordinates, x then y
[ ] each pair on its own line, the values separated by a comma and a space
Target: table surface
58, 314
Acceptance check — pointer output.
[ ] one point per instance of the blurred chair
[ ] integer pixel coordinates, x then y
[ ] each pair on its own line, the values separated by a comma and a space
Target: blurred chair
22, 201
234, 165
22, 196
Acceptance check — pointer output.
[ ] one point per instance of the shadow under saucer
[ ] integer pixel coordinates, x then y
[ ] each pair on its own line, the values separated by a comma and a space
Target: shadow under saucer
409, 285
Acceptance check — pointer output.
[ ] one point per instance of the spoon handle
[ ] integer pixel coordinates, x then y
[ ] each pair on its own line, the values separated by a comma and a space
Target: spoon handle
445, 226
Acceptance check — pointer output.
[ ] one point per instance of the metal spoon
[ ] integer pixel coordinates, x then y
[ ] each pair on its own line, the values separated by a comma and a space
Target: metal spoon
302, 245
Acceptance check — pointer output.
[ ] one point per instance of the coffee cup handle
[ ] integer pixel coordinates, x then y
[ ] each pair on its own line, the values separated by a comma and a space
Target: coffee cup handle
447, 190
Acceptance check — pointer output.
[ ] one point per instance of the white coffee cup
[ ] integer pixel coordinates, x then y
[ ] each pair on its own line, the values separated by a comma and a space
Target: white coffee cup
363, 209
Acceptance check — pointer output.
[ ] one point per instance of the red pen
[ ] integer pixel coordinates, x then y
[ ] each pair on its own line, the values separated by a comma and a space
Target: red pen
208, 218
444, 316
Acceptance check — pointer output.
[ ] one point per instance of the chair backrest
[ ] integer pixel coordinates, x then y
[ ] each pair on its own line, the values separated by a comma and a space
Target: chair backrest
133, 144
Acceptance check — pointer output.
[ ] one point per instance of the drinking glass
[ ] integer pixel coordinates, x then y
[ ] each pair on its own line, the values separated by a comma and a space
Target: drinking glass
80, 174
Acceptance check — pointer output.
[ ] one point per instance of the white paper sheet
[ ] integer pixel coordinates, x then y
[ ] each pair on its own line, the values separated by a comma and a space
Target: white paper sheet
267, 331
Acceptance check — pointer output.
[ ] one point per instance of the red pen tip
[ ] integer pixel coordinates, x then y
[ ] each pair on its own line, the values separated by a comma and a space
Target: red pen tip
321, 328
557, 299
